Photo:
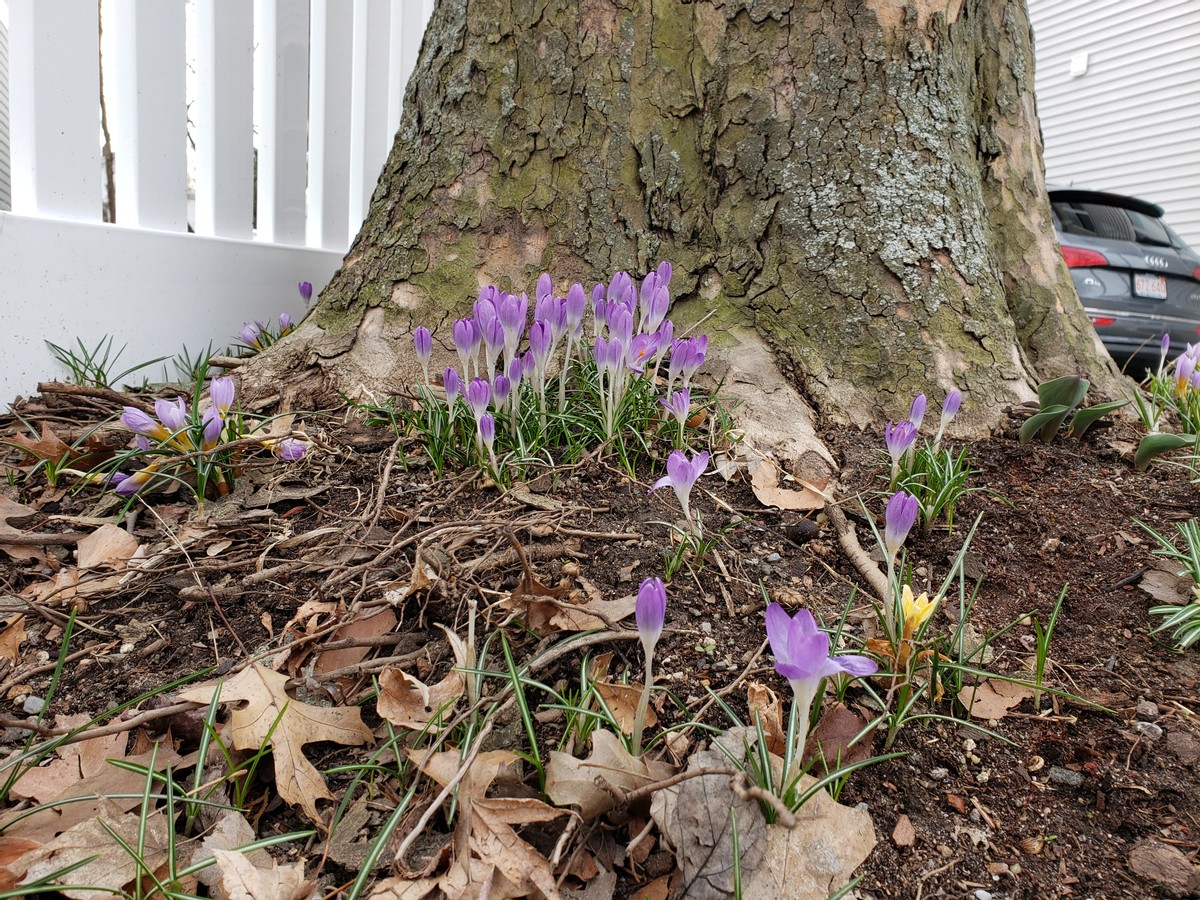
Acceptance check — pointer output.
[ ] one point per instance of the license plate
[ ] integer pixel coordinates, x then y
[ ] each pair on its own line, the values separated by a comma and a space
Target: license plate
1152, 286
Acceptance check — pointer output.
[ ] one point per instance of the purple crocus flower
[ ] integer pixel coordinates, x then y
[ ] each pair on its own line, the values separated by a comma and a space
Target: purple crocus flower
917, 414
493, 342
656, 309
539, 342
478, 395
681, 475
305, 290
172, 415
528, 364
620, 324
467, 337
136, 420
453, 386
678, 404
951, 404
128, 486
221, 391
501, 386
801, 653
487, 430
640, 350
664, 273
285, 322
898, 436
599, 309
650, 612
213, 425
290, 449
575, 306
545, 287
899, 518
141, 442
608, 355
249, 335
423, 342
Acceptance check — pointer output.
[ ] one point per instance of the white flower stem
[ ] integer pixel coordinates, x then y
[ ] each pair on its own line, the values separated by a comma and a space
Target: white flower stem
639, 715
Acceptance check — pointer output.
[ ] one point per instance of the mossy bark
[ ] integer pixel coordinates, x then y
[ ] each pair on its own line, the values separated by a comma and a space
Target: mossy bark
859, 181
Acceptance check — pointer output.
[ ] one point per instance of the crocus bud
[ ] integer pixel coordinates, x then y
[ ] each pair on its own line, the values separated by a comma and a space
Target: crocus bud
487, 429
285, 322
899, 518
213, 426
452, 384
423, 342
650, 612
248, 335
1164, 346
950, 406
545, 287
220, 391
305, 288
664, 273
501, 387
136, 420
478, 395
917, 414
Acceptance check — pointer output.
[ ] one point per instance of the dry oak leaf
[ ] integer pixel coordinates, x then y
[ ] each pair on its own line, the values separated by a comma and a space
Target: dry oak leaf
242, 880
113, 867
764, 481
12, 636
622, 701
268, 715
572, 782
992, 699
764, 702
10, 509
107, 546
407, 702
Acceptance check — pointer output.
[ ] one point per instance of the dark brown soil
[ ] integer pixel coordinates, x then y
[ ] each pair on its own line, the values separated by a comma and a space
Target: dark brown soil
1054, 811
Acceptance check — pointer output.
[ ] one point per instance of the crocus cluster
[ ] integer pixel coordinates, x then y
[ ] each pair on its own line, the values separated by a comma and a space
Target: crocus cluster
176, 431
801, 653
512, 347
258, 335
1187, 372
901, 437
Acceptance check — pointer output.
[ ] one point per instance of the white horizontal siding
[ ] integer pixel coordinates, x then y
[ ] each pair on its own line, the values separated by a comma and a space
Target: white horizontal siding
1131, 124
5, 149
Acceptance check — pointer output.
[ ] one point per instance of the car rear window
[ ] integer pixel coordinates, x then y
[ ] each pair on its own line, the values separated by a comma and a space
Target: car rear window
1113, 222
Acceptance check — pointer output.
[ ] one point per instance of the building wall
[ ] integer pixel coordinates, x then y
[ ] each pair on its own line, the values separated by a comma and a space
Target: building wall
1130, 122
5, 171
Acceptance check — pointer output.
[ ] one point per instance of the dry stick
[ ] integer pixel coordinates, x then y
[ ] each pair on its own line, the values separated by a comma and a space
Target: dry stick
82, 390
129, 724
383, 484
747, 791
625, 798
20, 675
228, 362
42, 540
857, 555
433, 807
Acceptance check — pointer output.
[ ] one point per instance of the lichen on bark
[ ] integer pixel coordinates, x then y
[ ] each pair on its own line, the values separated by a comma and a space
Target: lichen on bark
858, 180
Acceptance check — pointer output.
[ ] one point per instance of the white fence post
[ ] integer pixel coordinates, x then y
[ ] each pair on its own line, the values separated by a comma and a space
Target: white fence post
149, 117
329, 126
224, 118
282, 61
55, 108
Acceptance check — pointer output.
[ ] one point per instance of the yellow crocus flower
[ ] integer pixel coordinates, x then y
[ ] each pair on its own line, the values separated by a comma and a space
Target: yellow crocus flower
915, 611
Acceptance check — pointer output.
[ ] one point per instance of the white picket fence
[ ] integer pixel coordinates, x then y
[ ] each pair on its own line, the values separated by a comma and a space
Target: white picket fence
326, 79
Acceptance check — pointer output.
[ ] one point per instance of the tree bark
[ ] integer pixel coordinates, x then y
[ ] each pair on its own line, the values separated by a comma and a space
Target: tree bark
856, 182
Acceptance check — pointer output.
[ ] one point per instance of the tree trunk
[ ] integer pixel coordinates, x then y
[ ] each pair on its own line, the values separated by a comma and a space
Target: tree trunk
856, 182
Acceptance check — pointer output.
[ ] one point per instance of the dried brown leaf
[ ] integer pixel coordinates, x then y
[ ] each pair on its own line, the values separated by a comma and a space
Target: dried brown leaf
377, 625
107, 546
993, 699
764, 481
622, 701
831, 739
242, 880
12, 636
10, 509
572, 782
407, 702
113, 868
765, 703
268, 715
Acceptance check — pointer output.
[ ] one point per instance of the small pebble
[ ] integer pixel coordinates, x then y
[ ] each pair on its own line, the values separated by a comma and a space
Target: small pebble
944, 851
981, 894
694, 611
33, 705
1110, 664
939, 774
706, 627
1148, 730
1065, 777
774, 558
1146, 710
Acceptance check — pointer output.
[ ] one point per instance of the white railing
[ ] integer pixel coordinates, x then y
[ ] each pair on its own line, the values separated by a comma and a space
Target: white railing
314, 86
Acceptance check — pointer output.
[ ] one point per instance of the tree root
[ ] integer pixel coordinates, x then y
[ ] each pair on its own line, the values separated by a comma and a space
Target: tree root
855, 553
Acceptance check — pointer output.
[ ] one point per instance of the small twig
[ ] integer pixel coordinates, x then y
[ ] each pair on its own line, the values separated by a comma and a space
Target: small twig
25, 539
625, 798
383, 485
117, 727
228, 362
641, 836
433, 807
747, 791
854, 551
83, 390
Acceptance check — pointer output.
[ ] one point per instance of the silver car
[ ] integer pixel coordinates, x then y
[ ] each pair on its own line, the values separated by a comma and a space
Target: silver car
1136, 277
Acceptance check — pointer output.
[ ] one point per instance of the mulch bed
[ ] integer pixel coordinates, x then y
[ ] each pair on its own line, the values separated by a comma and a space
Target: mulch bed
1058, 812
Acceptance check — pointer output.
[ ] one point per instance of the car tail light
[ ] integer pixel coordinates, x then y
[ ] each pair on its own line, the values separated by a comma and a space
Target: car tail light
1101, 321
1196, 273
1075, 258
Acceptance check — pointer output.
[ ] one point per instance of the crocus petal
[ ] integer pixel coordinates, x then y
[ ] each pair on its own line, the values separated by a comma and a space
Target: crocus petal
172, 415
221, 392
306, 290
290, 449
136, 420
851, 664
650, 612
